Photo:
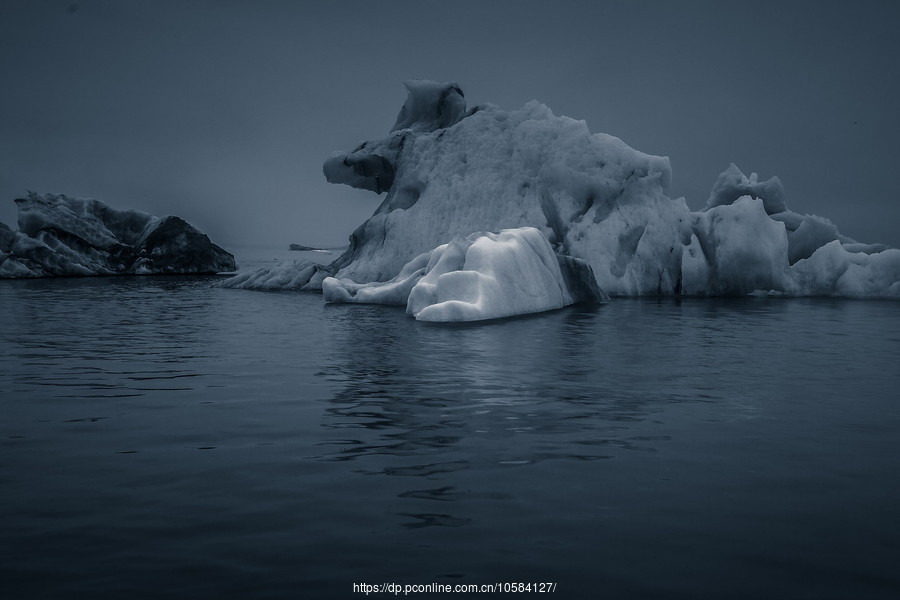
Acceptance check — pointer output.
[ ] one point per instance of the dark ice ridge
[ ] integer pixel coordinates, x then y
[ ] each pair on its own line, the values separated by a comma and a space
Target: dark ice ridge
61, 236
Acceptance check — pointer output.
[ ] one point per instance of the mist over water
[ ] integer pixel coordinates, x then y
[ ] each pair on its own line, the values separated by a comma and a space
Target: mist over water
162, 437
223, 112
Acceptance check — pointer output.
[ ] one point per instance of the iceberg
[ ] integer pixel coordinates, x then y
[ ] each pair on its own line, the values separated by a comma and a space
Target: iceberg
491, 170
479, 277
448, 171
302, 248
60, 236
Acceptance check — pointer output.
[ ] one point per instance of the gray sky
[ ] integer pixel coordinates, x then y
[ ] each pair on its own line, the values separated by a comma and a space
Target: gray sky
222, 112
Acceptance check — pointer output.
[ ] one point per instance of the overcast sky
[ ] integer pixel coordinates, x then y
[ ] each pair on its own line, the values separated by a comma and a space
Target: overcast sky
223, 111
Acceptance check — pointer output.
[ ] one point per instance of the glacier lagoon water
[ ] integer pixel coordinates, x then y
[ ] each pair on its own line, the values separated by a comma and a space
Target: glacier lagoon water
163, 438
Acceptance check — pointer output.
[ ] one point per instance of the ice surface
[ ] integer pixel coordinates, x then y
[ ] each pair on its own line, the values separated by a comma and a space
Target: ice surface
498, 170
7, 237
448, 172
430, 106
733, 184
283, 275
62, 236
834, 270
478, 277
743, 251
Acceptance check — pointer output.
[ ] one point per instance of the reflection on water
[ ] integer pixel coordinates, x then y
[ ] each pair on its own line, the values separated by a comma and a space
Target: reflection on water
163, 435
532, 384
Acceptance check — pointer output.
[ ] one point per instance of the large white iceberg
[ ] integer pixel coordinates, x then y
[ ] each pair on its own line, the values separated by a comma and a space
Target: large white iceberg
481, 276
449, 171
62, 236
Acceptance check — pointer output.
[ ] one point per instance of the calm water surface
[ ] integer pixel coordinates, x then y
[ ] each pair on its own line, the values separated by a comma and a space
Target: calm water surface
163, 438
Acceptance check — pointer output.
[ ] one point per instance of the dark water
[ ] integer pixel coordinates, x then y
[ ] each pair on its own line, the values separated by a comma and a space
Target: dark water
163, 439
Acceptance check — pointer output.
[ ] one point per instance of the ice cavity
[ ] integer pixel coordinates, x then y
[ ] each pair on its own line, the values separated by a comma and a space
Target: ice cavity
62, 236
448, 172
478, 277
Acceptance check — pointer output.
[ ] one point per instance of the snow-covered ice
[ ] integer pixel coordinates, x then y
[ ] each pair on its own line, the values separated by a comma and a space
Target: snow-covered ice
62, 236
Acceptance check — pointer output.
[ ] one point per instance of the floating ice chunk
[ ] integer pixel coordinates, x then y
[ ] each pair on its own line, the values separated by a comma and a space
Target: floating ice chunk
302, 248
283, 275
172, 245
511, 273
482, 276
62, 236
